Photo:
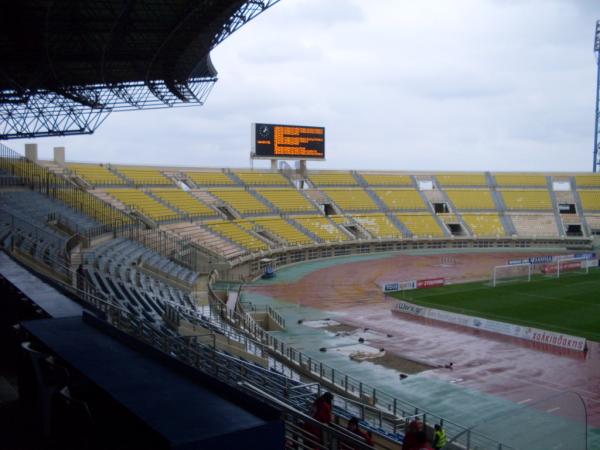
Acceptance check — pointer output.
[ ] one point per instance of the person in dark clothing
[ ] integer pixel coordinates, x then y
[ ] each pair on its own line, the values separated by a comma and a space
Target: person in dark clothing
322, 407
322, 411
410, 437
422, 442
354, 428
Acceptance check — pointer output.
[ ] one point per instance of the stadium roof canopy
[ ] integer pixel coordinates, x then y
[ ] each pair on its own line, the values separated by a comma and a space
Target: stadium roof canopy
65, 65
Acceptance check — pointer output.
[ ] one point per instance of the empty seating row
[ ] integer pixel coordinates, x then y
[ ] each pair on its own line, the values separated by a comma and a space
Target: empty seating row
322, 227
144, 176
465, 179
287, 199
184, 201
535, 225
258, 178
210, 178
280, 228
140, 201
407, 199
206, 238
38, 207
421, 225
471, 198
590, 199
241, 200
332, 179
378, 225
237, 234
351, 199
484, 224
95, 174
507, 179
376, 179
527, 199
588, 180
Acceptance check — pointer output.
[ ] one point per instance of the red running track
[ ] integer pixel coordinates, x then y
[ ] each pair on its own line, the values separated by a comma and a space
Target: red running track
509, 367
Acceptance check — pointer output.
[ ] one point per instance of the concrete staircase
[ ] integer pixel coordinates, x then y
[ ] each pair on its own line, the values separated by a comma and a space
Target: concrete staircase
584, 225
440, 222
405, 231
237, 180
382, 206
264, 200
119, 174
211, 201
559, 222
163, 202
509, 226
304, 230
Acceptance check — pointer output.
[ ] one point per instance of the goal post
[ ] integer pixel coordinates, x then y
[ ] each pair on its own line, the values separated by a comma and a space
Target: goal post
511, 272
563, 266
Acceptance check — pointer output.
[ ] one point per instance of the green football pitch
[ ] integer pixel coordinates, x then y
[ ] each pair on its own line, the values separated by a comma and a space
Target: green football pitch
569, 304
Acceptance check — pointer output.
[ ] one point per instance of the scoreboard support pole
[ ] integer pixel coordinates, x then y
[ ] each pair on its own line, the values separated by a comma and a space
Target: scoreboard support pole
303, 167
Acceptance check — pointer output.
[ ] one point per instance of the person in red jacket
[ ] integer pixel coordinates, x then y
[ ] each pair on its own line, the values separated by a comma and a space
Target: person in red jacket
354, 428
410, 436
322, 407
422, 442
322, 411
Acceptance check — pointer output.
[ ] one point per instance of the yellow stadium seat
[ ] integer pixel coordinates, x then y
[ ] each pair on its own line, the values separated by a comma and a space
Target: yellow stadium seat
376, 179
140, 201
484, 224
287, 199
144, 176
471, 198
184, 201
322, 227
379, 225
280, 228
527, 199
588, 180
353, 199
421, 225
401, 198
333, 179
254, 178
95, 174
506, 179
465, 179
210, 178
590, 199
235, 233
241, 200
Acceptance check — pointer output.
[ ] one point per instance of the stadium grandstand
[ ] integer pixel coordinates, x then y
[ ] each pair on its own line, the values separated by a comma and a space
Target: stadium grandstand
150, 241
149, 306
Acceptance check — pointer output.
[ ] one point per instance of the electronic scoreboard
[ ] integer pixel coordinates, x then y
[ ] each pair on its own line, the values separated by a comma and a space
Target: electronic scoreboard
271, 141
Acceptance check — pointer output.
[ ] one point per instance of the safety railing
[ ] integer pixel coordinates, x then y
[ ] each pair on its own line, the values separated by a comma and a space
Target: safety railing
379, 408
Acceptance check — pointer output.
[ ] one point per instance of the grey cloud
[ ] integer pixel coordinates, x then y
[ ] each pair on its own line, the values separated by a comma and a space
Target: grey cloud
439, 85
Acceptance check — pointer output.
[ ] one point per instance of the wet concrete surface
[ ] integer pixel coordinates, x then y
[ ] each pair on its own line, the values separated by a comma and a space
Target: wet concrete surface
511, 369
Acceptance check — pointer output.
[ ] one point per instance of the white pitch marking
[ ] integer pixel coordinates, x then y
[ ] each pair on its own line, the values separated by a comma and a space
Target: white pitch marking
527, 400
556, 408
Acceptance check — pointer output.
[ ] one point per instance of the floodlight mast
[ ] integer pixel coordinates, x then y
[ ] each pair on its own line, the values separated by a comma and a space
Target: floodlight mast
597, 122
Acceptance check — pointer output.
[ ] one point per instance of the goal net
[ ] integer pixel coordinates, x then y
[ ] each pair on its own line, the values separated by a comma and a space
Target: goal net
565, 266
511, 273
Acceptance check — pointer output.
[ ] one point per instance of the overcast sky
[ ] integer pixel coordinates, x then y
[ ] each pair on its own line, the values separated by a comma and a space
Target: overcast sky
402, 85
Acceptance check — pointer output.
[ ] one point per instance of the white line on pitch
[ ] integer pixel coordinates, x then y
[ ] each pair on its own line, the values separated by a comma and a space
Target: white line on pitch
556, 408
527, 400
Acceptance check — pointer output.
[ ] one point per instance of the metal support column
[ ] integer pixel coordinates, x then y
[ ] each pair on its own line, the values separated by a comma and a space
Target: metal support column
597, 116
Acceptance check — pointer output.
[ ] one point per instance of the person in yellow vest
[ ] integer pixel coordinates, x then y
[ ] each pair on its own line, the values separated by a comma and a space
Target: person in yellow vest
439, 437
